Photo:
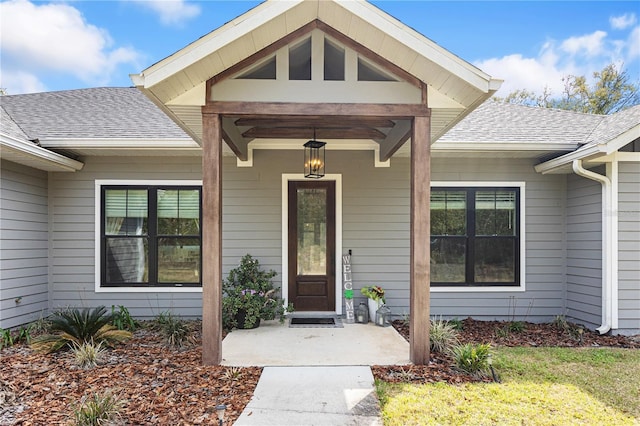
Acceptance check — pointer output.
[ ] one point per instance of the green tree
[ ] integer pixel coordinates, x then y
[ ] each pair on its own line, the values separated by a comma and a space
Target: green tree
611, 91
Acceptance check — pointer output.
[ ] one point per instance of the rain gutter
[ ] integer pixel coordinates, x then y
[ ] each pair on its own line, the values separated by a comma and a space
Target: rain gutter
609, 240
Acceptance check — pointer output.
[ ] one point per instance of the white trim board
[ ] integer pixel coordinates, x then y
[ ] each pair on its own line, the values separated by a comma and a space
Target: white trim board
285, 235
523, 254
98, 289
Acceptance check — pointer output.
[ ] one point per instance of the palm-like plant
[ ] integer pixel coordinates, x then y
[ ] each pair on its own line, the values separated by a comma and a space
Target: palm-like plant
77, 326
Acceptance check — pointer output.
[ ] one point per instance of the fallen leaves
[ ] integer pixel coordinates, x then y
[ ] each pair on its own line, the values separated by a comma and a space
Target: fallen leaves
159, 384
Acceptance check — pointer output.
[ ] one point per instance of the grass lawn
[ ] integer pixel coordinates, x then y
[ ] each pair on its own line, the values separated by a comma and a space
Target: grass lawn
540, 386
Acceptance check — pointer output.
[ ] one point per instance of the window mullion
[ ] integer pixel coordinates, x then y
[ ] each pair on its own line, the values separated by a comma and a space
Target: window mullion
471, 232
153, 235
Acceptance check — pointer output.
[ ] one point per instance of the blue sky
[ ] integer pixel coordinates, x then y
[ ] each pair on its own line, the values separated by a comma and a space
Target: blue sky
59, 45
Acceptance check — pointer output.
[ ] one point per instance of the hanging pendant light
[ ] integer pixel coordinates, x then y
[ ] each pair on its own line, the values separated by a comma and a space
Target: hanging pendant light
314, 157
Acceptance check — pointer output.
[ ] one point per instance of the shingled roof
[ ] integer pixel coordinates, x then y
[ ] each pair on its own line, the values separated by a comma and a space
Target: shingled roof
494, 122
111, 113
10, 127
96, 113
613, 125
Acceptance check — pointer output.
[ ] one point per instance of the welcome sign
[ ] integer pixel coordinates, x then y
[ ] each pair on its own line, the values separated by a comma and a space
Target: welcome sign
347, 284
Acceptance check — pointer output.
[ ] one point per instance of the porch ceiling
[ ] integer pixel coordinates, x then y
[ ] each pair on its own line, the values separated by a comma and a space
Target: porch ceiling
177, 84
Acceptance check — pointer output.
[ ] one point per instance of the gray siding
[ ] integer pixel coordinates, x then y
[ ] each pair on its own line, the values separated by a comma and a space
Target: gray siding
375, 228
73, 204
584, 251
545, 242
23, 244
629, 248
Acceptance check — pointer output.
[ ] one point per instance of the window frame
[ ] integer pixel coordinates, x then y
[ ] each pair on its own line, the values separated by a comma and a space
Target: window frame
100, 186
520, 249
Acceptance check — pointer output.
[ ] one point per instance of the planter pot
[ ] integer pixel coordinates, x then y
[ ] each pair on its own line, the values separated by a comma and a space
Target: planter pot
373, 307
240, 319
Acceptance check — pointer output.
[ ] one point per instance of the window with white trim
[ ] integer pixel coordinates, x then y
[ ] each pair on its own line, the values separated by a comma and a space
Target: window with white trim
150, 236
475, 236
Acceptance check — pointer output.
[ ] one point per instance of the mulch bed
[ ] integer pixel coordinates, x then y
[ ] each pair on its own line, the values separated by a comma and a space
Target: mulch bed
441, 367
165, 385
159, 384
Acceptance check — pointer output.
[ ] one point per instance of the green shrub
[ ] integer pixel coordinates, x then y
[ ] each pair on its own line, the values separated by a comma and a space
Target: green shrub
174, 330
122, 319
250, 289
9, 338
456, 323
6, 338
88, 354
443, 337
97, 409
41, 325
80, 326
474, 359
516, 326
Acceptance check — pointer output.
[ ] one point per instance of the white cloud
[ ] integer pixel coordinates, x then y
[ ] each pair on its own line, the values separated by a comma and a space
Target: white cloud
623, 21
56, 38
577, 55
589, 44
171, 12
634, 44
21, 82
519, 72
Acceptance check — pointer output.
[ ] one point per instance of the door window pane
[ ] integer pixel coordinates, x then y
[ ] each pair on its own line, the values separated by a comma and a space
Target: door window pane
312, 231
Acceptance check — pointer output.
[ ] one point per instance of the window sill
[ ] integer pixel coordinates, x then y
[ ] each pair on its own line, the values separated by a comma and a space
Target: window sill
477, 289
99, 289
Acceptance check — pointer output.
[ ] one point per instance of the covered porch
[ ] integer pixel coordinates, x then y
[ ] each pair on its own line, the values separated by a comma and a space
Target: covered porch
341, 71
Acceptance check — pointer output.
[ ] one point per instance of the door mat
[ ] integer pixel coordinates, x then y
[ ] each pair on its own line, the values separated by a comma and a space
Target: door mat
315, 322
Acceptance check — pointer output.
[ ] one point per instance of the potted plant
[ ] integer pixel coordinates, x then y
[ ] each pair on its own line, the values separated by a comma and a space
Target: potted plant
249, 296
375, 298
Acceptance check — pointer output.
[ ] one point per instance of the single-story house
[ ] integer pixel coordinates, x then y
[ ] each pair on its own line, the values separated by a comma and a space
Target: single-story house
456, 205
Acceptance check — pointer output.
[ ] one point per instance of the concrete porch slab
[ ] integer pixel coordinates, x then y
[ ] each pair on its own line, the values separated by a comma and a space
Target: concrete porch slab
275, 344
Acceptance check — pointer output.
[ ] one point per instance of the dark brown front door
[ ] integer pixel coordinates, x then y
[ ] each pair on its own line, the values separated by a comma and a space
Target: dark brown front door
312, 219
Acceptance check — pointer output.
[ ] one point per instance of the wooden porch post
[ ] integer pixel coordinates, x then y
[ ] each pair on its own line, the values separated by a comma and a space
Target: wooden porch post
420, 240
211, 239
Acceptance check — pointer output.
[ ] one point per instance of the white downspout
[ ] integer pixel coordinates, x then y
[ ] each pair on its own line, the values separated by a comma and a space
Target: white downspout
607, 233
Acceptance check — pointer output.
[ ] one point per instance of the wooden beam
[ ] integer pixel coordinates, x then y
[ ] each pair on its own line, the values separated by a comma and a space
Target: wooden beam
326, 122
309, 132
277, 110
263, 53
419, 294
211, 239
236, 141
371, 55
395, 139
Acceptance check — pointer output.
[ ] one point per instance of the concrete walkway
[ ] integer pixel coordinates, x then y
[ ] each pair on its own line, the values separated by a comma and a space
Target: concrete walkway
301, 396
314, 376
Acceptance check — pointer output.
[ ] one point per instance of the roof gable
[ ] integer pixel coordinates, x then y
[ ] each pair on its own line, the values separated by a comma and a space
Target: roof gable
451, 86
271, 21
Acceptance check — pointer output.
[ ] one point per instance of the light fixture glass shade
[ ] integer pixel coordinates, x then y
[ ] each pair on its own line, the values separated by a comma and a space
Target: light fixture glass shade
314, 157
220, 412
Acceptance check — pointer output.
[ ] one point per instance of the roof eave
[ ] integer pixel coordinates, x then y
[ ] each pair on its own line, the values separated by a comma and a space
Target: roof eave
14, 149
562, 164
